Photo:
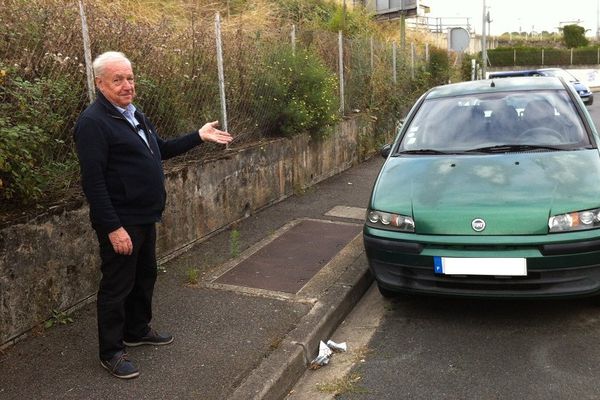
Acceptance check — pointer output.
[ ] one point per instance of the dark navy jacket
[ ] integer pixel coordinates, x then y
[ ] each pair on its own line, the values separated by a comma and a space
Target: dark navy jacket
122, 177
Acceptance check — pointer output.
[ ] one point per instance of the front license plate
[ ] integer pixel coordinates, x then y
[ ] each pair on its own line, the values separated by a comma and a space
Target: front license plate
480, 266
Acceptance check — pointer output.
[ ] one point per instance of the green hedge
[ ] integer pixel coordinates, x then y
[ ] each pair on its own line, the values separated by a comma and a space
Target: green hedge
524, 56
302, 95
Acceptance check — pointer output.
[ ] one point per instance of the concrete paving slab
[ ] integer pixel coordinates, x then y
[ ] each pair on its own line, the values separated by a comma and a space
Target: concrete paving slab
288, 262
357, 213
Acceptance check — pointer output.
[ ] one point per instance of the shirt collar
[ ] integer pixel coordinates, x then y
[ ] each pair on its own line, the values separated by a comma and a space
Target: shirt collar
130, 107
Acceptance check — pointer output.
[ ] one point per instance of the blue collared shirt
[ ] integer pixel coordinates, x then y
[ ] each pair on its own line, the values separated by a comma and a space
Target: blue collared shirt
129, 114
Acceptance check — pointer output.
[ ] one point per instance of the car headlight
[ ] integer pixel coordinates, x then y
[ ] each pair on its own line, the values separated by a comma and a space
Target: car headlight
575, 221
382, 219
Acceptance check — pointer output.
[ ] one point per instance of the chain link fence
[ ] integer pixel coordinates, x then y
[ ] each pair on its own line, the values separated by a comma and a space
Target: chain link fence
43, 84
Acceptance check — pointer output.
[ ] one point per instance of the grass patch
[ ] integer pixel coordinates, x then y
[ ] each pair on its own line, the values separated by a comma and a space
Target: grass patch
234, 243
193, 276
58, 318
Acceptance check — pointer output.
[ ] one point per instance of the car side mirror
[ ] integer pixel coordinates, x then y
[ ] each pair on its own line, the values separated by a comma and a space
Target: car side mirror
385, 150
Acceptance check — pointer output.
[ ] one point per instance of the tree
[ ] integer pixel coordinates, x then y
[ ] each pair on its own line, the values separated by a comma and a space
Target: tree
574, 36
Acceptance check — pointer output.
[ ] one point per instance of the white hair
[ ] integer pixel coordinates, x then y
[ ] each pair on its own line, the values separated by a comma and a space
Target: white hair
108, 57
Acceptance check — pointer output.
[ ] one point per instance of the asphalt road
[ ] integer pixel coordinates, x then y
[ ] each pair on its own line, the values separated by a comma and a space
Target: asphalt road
436, 348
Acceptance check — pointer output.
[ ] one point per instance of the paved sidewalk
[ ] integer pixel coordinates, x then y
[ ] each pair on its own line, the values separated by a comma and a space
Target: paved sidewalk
231, 341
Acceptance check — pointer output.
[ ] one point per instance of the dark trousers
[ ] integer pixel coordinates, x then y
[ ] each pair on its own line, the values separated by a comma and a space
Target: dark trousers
124, 301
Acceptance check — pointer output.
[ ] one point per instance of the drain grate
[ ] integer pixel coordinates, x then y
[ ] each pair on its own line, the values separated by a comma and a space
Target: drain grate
287, 263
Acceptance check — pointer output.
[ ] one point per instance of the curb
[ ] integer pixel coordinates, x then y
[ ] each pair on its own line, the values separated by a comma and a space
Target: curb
277, 373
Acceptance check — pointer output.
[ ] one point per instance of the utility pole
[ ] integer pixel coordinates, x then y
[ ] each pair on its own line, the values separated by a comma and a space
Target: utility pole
598, 20
483, 43
403, 31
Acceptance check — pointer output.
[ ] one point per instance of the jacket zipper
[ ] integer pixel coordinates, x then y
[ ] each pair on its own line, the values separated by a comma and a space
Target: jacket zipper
136, 133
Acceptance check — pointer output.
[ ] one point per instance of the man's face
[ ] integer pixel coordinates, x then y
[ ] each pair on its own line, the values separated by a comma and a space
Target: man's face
116, 83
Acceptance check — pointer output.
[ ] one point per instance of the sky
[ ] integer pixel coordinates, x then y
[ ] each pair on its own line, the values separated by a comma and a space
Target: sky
510, 15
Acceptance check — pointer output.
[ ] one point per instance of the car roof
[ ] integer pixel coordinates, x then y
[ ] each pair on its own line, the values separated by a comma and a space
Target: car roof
521, 72
496, 85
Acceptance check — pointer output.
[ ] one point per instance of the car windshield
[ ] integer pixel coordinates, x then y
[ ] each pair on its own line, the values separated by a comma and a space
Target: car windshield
510, 121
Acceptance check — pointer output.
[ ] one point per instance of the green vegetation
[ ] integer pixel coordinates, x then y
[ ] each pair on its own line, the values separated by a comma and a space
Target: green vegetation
58, 318
32, 135
193, 276
574, 36
234, 243
303, 95
527, 56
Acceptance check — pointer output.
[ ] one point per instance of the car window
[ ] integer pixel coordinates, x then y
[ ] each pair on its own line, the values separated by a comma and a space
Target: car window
541, 118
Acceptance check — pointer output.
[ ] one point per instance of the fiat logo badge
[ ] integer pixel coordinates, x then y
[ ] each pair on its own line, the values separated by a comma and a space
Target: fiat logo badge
478, 224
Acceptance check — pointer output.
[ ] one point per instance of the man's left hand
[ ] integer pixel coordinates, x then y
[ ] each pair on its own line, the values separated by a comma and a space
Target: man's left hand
210, 133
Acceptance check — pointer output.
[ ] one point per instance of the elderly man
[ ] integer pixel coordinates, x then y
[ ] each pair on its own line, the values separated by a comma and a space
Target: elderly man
120, 157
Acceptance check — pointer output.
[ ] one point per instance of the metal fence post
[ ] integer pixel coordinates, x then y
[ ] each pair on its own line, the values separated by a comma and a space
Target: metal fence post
427, 53
293, 35
394, 64
412, 60
542, 57
571, 56
373, 56
341, 70
89, 72
220, 70
372, 51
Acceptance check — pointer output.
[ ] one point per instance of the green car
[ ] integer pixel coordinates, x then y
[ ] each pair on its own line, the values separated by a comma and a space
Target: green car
491, 189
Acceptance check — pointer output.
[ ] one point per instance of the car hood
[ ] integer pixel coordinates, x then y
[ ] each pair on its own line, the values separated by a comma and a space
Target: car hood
580, 87
513, 193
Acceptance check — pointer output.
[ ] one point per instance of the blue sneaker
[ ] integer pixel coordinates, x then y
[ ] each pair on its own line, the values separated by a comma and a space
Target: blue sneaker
120, 366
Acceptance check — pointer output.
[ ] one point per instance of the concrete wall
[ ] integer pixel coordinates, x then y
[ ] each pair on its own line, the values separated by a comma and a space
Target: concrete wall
52, 263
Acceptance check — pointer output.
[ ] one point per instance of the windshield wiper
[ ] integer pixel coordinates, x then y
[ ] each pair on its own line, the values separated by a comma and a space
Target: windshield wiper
421, 151
506, 148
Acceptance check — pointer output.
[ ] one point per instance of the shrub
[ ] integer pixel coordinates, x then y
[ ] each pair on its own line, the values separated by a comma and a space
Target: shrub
33, 137
574, 36
20, 177
298, 11
438, 67
302, 94
389, 102
351, 22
